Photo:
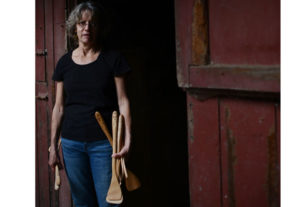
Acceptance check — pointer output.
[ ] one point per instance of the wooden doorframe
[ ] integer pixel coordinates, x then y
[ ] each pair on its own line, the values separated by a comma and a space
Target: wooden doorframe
244, 90
50, 46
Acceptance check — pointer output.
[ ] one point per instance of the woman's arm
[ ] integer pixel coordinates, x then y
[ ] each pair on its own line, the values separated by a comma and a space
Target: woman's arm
124, 108
57, 115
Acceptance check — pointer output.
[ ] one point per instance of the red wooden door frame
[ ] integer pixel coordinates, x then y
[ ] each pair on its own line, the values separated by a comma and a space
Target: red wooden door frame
50, 46
248, 93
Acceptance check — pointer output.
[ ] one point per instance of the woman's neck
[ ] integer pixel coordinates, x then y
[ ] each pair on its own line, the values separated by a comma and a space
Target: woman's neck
85, 49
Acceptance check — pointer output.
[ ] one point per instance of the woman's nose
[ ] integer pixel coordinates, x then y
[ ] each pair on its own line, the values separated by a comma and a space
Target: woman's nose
87, 26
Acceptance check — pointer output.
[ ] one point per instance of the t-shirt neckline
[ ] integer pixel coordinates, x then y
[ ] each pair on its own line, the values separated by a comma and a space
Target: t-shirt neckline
83, 65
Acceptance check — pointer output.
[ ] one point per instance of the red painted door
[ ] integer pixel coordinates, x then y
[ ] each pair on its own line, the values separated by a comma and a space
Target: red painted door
42, 115
228, 62
50, 45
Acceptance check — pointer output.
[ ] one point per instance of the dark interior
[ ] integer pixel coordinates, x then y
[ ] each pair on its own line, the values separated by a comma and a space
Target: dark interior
144, 32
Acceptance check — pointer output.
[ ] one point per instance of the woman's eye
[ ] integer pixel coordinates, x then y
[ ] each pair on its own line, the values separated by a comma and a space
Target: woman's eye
82, 23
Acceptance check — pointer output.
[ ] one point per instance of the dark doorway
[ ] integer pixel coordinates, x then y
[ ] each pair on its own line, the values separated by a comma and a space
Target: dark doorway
144, 31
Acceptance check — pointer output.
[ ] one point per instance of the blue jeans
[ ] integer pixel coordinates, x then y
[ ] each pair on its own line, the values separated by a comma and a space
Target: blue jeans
88, 168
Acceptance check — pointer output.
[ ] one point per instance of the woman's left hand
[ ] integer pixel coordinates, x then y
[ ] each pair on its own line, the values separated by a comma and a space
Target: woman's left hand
123, 152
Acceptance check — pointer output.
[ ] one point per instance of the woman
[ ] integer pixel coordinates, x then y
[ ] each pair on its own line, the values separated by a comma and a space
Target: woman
89, 79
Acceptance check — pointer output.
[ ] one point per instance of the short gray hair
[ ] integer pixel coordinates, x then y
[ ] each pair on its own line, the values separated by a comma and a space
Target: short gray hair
98, 16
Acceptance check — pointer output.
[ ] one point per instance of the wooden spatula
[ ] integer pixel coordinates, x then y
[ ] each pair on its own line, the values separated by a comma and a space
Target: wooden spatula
114, 194
131, 181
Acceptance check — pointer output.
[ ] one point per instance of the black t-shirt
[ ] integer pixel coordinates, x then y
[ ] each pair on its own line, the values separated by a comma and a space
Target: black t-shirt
89, 88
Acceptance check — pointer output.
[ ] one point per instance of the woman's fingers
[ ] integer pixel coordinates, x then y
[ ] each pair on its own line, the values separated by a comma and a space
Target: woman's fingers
52, 166
53, 160
122, 153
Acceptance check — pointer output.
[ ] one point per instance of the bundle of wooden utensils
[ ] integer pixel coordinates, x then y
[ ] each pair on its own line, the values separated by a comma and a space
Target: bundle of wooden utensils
119, 171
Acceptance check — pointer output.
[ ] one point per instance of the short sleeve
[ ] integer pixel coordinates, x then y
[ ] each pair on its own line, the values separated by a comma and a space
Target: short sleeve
57, 74
121, 66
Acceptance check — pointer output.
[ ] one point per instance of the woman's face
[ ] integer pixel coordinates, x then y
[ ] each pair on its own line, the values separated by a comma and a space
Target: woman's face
85, 29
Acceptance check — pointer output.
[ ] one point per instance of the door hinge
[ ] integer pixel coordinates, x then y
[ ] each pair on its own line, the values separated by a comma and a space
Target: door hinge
40, 52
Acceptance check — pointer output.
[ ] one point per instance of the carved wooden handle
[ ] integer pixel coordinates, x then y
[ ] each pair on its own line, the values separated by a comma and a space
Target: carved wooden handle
103, 126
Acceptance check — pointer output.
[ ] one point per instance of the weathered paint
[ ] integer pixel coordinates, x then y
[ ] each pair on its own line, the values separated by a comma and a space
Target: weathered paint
42, 153
231, 159
49, 70
244, 32
244, 50
190, 122
204, 152
42, 179
40, 40
251, 78
273, 171
183, 31
48, 19
199, 33
246, 127
59, 36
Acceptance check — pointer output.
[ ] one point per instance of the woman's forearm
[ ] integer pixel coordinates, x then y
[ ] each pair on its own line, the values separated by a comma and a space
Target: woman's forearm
124, 107
57, 115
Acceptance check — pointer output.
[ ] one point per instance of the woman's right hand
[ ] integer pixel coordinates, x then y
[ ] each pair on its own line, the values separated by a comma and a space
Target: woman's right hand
53, 159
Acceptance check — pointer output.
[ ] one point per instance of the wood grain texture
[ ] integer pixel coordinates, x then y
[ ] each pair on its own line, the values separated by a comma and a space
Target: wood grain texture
114, 194
244, 32
40, 40
247, 129
249, 78
203, 144
42, 153
183, 26
46, 25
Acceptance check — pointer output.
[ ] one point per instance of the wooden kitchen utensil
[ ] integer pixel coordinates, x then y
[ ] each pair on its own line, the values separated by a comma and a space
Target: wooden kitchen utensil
57, 176
131, 181
114, 194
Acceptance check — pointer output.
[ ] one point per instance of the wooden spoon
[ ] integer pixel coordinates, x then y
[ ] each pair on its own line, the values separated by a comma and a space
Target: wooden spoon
132, 182
114, 194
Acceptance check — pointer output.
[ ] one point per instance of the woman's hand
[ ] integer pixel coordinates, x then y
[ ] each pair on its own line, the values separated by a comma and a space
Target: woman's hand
124, 151
53, 159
